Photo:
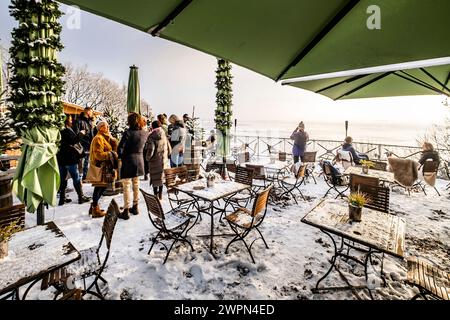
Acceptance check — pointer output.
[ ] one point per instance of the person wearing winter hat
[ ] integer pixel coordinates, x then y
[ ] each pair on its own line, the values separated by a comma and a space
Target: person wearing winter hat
300, 137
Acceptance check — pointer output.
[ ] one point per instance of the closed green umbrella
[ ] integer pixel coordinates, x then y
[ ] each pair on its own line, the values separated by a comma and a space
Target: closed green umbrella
134, 96
36, 109
36, 179
285, 39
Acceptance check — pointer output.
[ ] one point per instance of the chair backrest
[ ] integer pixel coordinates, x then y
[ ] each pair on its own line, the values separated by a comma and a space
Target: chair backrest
244, 157
109, 222
244, 175
379, 165
282, 156
332, 174
231, 167
345, 157
213, 166
11, 214
310, 156
172, 174
301, 171
193, 171
357, 180
154, 208
261, 200
430, 166
258, 171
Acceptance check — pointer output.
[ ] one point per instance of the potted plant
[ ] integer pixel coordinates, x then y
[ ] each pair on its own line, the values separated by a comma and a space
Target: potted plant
356, 201
5, 234
211, 178
366, 164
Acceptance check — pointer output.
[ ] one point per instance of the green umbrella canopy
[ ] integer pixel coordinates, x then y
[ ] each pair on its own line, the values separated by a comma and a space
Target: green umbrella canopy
134, 96
291, 38
420, 78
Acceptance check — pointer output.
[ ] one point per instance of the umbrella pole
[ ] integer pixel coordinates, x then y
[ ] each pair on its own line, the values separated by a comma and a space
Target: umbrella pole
40, 214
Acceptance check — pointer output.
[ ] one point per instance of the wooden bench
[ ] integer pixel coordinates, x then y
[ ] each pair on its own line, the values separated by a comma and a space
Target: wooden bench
430, 280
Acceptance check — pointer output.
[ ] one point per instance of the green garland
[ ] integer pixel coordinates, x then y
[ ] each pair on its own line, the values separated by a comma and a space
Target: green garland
36, 81
223, 114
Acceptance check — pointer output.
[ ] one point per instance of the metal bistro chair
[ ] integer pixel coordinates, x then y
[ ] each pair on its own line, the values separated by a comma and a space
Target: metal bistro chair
243, 221
172, 226
89, 265
431, 281
245, 176
174, 177
282, 156
333, 179
290, 184
309, 158
377, 195
259, 177
379, 165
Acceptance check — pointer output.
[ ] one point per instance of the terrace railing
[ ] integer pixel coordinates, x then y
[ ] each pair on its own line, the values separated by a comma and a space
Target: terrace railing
326, 149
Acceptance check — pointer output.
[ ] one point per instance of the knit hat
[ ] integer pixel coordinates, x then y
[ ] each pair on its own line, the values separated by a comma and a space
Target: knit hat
301, 125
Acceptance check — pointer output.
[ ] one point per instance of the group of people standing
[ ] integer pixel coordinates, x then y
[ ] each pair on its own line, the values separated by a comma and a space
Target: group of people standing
142, 151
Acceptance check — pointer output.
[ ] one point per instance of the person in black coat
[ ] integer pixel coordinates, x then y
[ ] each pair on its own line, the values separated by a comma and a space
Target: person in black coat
130, 151
357, 156
428, 153
68, 158
86, 124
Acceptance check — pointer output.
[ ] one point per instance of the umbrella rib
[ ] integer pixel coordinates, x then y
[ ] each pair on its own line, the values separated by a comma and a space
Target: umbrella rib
420, 83
448, 79
417, 80
172, 15
381, 76
330, 25
342, 82
434, 78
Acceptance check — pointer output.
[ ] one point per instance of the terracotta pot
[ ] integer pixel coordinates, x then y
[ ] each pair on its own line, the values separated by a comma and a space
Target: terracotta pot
354, 212
3, 249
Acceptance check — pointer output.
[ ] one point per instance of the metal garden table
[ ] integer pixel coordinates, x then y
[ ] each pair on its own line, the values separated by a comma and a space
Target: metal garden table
378, 232
220, 190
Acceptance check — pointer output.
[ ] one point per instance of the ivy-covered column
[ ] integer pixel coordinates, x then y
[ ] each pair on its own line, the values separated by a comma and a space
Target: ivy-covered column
224, 103
36, 87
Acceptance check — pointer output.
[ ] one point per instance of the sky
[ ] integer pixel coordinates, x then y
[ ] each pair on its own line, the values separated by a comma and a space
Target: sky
175, 78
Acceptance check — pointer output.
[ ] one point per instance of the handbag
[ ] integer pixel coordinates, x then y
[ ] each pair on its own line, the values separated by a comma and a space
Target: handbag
94, 174
79, 150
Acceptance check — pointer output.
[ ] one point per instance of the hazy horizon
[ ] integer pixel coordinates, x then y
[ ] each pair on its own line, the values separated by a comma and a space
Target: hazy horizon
174, 78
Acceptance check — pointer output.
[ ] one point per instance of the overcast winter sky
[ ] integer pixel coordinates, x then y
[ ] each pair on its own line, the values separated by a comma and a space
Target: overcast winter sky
174, 78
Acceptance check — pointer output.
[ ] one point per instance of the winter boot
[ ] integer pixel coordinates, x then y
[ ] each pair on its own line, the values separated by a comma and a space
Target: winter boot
62, 198
97, 212
125, 214
135, 209
81, 197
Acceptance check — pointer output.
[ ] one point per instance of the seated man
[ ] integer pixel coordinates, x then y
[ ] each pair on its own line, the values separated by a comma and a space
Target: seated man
357, 156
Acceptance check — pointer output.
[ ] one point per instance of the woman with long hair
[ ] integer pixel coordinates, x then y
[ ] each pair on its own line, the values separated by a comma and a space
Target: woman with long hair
130, 151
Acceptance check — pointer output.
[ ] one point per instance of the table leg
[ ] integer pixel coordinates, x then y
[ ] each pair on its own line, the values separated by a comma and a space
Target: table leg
212, 229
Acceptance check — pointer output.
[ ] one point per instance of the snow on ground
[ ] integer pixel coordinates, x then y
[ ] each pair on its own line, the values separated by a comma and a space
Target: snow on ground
289, 269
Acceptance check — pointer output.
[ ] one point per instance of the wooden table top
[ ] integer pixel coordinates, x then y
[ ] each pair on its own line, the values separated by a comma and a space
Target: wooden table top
34, 252
382, 175
221, 189
378, 230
